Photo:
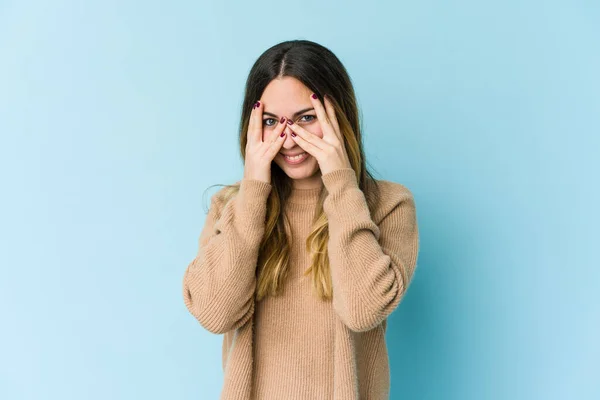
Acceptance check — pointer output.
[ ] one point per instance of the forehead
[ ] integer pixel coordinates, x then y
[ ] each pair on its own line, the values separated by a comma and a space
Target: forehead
286, 95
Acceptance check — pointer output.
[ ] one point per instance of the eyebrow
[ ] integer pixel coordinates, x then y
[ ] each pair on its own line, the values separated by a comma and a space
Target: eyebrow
295, 114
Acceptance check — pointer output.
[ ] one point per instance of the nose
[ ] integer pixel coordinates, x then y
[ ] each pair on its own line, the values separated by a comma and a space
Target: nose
288, 131
289, 143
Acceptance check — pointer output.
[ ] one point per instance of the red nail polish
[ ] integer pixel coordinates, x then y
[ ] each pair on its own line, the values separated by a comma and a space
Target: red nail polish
289, 121
293, 134
258, 104
282, 134
314, 95
282, 120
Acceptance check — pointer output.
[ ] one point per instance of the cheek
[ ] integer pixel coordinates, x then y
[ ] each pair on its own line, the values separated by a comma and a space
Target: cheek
316, 131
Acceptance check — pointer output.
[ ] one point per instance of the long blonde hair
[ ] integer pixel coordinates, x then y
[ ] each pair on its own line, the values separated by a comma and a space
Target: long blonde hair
323, 73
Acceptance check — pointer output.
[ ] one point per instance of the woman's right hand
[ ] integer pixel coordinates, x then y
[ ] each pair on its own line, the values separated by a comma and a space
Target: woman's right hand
259, 153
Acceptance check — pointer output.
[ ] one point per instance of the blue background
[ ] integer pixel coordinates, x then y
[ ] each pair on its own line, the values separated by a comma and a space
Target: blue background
115, 116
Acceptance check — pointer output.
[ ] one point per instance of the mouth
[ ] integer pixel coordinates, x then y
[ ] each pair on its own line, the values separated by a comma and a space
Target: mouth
297, 159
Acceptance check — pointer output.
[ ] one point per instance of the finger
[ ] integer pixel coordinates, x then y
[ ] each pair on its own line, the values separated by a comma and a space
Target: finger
331, 114
322, 116
306, 135
277, 141
307, 146
255, 126
275, 133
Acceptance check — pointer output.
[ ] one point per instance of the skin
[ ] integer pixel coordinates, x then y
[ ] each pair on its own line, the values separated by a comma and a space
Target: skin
282, 98
310, 126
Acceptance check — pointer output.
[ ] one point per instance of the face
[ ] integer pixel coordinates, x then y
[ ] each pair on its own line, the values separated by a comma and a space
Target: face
288, 97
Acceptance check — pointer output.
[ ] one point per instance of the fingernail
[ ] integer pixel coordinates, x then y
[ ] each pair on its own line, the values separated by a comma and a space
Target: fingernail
289, 121
258, 104
314, 95
282, 134
282, 120
293, 134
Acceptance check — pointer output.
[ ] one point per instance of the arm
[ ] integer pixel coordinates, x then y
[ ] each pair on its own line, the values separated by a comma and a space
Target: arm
371, 263
219, 284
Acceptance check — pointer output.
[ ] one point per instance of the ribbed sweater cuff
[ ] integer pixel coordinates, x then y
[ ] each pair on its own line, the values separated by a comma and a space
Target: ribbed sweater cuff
253, 190
251, 206
344, 196
339, 180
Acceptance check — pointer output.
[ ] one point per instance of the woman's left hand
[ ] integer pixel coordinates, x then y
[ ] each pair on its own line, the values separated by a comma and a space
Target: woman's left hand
329, 151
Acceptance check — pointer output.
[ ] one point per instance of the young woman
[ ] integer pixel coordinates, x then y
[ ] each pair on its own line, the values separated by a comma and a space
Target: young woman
301, 261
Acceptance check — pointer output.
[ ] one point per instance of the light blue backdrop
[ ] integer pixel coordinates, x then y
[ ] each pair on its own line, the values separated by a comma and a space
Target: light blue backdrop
116, 115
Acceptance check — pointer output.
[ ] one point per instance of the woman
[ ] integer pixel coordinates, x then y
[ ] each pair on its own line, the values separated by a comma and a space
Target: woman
301, 261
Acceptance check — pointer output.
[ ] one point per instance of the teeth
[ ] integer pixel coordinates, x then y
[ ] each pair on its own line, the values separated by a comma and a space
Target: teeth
299, 156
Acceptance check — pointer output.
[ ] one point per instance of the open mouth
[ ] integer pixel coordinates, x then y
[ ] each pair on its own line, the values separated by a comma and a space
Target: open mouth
296, 159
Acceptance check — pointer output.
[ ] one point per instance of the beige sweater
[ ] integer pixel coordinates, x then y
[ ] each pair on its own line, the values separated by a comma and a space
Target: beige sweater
297, 346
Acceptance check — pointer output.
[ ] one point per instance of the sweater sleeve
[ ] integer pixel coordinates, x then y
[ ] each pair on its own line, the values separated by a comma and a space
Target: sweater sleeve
219, 284
371, 263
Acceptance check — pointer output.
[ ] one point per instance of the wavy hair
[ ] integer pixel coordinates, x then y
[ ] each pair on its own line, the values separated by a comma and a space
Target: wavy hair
322, 72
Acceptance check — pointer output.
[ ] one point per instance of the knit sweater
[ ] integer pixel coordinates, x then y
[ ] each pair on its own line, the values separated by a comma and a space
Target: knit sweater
297, 346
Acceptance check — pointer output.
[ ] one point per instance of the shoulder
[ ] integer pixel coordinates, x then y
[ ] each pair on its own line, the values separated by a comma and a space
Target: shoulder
394, 189
393, 197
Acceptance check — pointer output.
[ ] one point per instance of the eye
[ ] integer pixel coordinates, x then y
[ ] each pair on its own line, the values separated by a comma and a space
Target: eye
269, 119
312, 117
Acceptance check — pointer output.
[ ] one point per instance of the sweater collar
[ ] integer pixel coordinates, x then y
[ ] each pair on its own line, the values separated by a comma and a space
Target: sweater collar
305, 196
